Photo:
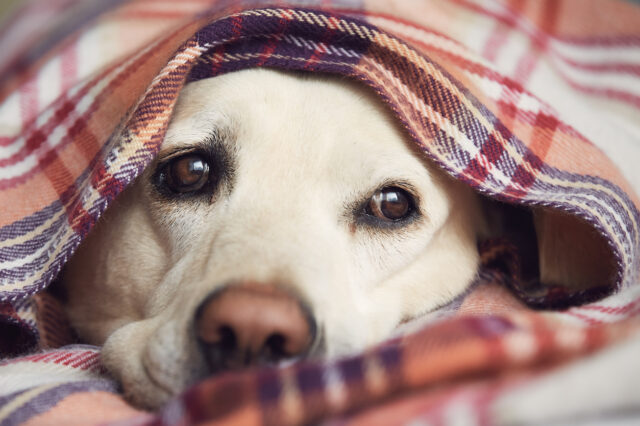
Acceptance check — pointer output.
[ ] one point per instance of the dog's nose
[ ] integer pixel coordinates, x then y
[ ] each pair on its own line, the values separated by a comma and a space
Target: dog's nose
248, 323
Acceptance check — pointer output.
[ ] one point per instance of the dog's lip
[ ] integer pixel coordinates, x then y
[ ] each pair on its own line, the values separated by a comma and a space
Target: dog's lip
286, 363
156, 381
319, 345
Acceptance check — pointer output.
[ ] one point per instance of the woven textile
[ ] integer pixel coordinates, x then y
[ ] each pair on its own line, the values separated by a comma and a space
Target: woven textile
518, 99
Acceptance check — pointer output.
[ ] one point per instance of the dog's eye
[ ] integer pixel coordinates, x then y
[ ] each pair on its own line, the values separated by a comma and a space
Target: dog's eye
187, 173
390, 204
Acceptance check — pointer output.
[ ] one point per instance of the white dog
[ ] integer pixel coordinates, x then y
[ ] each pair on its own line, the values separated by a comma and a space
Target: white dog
286, 216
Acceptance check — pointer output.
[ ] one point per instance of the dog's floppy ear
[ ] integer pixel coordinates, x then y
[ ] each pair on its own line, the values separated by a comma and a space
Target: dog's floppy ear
572, 254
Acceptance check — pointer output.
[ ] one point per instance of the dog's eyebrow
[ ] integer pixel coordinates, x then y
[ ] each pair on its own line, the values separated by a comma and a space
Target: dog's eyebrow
213, 141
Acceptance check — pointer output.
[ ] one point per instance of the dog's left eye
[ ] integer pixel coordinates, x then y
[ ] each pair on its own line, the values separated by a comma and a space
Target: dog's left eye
187, 173
391, 204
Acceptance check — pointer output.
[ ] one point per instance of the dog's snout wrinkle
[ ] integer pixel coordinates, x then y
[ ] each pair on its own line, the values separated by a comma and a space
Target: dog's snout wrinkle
250, 323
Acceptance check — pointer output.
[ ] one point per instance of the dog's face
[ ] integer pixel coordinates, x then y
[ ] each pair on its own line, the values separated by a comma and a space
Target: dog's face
284, 217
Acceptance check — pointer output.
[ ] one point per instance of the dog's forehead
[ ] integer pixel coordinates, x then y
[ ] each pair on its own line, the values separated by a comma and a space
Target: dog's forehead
316, 123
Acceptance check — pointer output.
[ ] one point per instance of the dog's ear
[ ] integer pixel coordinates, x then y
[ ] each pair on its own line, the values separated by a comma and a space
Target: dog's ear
572, 254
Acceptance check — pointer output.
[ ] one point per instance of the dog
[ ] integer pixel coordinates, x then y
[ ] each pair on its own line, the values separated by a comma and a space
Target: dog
286, 216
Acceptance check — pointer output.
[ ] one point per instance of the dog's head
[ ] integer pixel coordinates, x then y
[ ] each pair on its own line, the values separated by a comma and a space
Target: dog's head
285, 216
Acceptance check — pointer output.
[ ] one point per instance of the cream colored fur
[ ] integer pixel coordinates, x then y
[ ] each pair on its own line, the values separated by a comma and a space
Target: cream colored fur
306, 149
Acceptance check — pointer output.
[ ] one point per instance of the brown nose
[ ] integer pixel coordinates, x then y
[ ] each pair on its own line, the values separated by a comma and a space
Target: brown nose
252, 324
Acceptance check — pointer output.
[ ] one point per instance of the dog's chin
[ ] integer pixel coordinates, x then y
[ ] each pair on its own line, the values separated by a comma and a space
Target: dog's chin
152, 372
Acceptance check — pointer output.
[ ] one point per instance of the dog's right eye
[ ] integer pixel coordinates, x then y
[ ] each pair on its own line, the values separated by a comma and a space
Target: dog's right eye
187, 173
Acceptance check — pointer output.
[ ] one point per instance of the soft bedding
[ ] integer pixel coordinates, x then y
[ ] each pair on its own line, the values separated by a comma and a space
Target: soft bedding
520, 99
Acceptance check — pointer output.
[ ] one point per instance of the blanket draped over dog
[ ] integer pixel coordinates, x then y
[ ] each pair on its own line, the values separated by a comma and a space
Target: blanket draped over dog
517, 98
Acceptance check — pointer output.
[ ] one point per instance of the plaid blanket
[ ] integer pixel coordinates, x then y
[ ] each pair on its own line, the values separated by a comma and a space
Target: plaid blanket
517, 98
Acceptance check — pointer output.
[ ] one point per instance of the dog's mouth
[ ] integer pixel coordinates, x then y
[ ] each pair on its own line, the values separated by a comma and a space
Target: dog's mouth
157, 376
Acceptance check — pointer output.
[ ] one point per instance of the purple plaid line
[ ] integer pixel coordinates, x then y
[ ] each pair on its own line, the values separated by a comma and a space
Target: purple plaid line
52, 234
49, 398
23, 305
29, 223
351, 370
275, 42
45, 277
491, 326
309, 379
609, 194
11, 275
390, 356
608, 209
248, 58
269, 386
17, 251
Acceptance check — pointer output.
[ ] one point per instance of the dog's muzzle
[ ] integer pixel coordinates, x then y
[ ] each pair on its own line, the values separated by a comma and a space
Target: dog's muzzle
253, 324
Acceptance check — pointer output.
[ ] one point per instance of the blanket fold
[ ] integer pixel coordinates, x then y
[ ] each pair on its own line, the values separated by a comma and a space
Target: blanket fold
485, 90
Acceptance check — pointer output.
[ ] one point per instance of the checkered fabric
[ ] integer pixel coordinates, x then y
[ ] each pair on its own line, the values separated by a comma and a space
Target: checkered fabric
516, 98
